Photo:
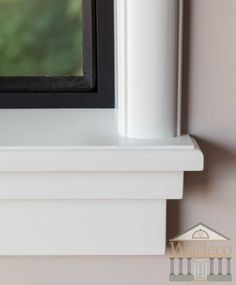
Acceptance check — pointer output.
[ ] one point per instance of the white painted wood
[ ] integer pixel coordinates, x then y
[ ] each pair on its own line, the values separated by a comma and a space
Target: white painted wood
70, 184
101, 160
72, 129
82, 227
69, 140
91, 185
147, 56
89, 199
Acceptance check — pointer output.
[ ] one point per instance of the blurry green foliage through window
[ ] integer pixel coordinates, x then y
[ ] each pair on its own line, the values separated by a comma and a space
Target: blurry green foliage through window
41, 38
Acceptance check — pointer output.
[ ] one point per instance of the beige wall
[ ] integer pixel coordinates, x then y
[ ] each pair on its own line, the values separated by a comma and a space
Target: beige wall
210, 197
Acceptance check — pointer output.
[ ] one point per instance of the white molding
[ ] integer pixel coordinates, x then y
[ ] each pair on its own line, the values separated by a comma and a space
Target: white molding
147, 65
70, 184
103, 159
82, 227
91, 185
84, 194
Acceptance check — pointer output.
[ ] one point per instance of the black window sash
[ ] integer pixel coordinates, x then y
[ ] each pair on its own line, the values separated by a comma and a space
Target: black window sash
95, 89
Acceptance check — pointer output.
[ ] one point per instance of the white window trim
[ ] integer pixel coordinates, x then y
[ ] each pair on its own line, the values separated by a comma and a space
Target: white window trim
71, 184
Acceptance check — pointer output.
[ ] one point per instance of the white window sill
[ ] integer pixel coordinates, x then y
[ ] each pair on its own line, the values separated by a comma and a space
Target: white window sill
86, 143
71, 185
71, 129
83, 140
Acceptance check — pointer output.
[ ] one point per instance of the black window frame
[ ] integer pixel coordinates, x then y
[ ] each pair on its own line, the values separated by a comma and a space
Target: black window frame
95, 89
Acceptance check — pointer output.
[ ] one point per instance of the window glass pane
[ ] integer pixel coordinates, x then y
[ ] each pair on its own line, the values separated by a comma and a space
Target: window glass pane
41, 38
